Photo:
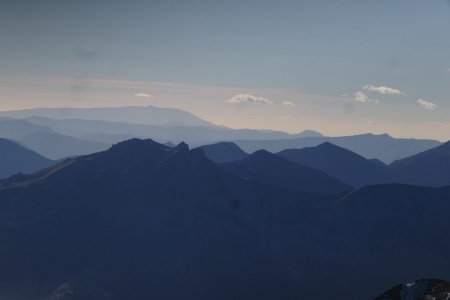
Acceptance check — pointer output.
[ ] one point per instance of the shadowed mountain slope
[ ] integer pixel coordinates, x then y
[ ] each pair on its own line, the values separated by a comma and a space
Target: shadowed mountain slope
341, 163
146, 221
57, 146
382, 147
223, 152
16, 159
273, 170
18, 129
125, 214
390, 232
429, 168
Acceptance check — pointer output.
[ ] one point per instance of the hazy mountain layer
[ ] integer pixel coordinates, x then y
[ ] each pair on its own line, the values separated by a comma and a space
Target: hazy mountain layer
382, 147
197, 135
429, 168
150, 115
57, 146
18, 129
16, 159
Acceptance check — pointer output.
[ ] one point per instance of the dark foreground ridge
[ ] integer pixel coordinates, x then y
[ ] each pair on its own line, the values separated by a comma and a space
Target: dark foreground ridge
146, 221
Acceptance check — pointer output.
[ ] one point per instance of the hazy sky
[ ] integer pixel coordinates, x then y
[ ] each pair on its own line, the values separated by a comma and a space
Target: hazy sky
340, 67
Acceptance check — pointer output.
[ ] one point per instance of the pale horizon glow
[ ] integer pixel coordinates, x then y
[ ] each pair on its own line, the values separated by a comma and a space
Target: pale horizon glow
338, 68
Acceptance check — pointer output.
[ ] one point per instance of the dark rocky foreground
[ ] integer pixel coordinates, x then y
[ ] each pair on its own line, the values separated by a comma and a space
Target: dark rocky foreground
422, 289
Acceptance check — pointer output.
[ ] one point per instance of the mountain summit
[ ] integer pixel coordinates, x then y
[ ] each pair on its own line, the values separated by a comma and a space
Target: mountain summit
274, 170
341, 163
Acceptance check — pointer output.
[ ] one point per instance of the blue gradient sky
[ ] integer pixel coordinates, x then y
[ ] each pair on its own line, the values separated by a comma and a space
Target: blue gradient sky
307, 58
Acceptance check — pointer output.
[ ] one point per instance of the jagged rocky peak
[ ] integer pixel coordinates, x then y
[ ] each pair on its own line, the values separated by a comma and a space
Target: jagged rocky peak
182, 146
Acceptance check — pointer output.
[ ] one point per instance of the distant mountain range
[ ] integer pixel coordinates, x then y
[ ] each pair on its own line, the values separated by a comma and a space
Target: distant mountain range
147, 115
99, 128
429, 168
18, 129
57, 146
197, 135
382, 147
143, 220
16, 159
45, 141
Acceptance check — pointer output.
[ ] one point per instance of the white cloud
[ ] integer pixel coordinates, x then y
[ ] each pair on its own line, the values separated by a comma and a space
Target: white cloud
143, 95
361, 97
288, 104
384, 90
427, 104
243, 98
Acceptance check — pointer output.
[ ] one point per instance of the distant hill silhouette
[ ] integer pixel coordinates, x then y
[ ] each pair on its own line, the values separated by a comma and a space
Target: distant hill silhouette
308, 133
382, 147
422, 289
57, 146
149, 115
45, 141
273, 170
341, 163
18, 129
429, 168
146, 221
197, 135
223, 152
16, 159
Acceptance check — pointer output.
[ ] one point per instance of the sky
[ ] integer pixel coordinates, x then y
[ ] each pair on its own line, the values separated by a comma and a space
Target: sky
339, 67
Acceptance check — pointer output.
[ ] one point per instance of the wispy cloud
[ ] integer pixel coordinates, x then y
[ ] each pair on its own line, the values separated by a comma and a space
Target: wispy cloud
86, 53
427, 104
361, 97
143, 95
288, 104
384, 90
246, 98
